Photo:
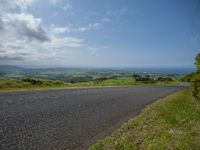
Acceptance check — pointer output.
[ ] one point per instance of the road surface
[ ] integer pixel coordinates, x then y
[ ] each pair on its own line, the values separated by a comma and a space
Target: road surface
69, 119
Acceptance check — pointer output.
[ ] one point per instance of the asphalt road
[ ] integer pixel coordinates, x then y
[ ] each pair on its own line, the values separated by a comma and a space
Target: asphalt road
69, 119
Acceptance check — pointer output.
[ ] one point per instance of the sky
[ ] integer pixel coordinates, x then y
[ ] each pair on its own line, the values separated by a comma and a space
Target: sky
99, 33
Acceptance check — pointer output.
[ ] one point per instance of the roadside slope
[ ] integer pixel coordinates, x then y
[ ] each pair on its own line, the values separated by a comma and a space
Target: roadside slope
170, 123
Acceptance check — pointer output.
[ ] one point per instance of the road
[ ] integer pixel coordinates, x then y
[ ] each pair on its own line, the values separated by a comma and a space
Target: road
70, 119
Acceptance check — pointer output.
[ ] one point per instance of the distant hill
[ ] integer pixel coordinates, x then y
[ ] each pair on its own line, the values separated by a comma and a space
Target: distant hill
10, 69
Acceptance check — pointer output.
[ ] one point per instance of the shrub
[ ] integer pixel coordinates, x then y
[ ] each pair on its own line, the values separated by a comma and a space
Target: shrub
196, 85
196, 79
187, 78
32, 81
165, 79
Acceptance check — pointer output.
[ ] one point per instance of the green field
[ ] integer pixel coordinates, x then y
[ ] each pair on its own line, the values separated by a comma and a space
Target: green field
38, 84
170, 123
14, 78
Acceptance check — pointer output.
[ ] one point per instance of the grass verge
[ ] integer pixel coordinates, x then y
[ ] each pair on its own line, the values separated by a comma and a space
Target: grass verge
170, 123
27, 84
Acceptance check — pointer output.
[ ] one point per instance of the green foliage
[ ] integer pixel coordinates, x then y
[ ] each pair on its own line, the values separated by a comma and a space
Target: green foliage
197, 63
196, 85
141, 77
165, 79
34, 83
196, 79
30, 83
171, 123
153, 78
187, 78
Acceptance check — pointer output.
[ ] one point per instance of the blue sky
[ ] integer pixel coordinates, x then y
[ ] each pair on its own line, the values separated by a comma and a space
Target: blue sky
99, 33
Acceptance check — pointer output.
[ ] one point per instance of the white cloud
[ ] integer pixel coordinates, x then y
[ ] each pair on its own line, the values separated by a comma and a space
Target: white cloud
24, 25
91, 26
60, 30
23, 4
24, 39
12, 4
18, 50
68, 29
64, 42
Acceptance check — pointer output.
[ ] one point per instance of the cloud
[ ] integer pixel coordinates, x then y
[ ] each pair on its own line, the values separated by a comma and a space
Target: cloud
25, 40
57, 51
19, 24
6, 58
25, 26
1, 24
91, 26
23, 4
69, 29
64, 42
13, 4
59, 30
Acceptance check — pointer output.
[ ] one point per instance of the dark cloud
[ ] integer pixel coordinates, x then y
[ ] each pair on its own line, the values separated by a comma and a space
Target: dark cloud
24, 26
9, 46
34, 33
13, 58
2, 51
1, 23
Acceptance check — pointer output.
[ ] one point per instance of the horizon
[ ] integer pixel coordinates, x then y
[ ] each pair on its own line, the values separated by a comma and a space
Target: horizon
100, 34
159, 70
89, 67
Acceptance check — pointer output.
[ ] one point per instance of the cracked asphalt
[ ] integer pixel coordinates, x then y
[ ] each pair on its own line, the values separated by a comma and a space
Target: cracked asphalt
70, 119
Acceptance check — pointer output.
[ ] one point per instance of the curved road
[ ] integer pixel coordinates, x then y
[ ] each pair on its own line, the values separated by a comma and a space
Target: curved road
69, 119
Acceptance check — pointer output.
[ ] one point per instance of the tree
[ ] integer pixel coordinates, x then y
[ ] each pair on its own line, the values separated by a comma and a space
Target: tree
197, 63
196, 79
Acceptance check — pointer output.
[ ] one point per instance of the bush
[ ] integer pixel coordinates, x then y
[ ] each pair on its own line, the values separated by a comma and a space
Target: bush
196, 85
32, 81
187, 78
165, 79
196, 79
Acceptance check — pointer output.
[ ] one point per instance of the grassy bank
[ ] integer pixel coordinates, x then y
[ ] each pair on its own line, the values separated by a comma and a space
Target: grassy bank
38, 84
170, 123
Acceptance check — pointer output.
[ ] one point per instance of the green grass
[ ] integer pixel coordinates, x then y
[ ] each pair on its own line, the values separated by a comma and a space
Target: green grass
25, 84
20, 85
110, 82
170, 123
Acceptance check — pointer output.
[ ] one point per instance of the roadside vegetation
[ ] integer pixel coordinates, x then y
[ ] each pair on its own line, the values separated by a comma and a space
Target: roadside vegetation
195, 80
32, 83
170, 123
